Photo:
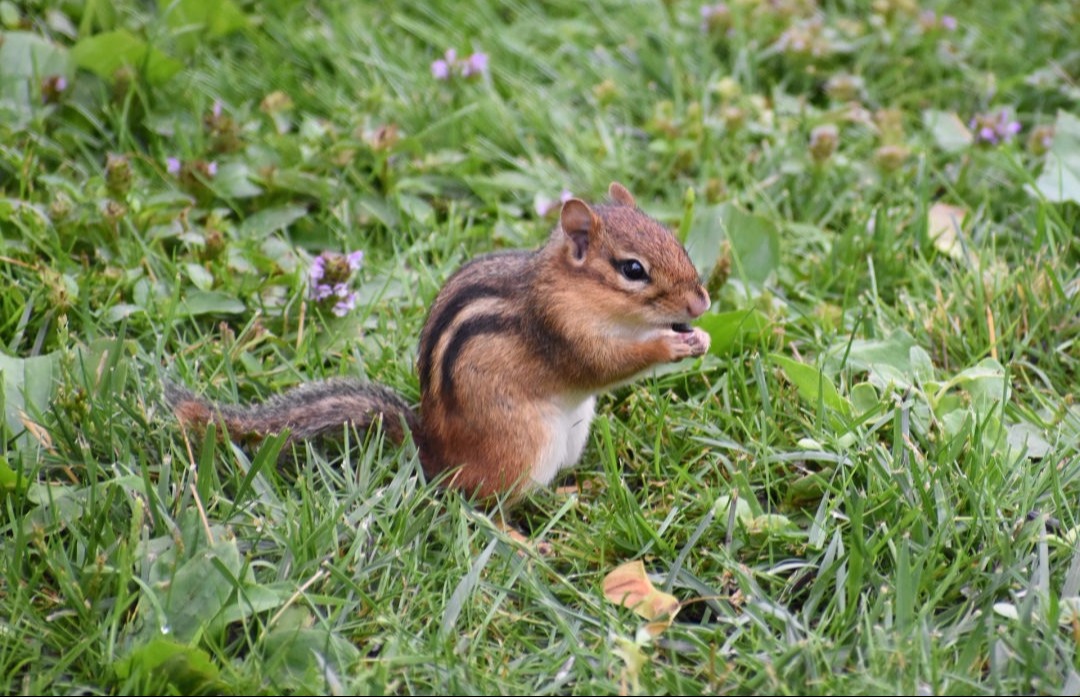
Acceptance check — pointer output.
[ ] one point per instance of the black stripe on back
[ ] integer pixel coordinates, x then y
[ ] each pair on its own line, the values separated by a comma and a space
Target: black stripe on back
439, 323
469, 329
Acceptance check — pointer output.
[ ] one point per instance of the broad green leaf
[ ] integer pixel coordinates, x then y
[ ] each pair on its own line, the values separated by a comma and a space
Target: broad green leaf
887, 361
769, 523
753, 239
106, 53
1060, 178
164, 662
97, 14
270, 220
200, 277
985, 382
121, 311
210, 302
1029, 439
30, 57
812, 384
234, 180
193, 20
28, 388
807, 488
922, 367
949, 132
199, 590
26, 60
9, 14
252, 599
743, 512
9, 478
730, 331
306, 658
864, 397
300, 182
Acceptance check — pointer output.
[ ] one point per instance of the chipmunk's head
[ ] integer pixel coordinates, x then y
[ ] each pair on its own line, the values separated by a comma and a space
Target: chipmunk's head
631, 269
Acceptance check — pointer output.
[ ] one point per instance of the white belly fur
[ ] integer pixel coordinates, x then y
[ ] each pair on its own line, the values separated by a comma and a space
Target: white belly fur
568, 423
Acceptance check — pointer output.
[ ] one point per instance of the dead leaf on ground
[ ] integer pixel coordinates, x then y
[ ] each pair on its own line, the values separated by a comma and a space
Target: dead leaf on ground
944, 228
628, 585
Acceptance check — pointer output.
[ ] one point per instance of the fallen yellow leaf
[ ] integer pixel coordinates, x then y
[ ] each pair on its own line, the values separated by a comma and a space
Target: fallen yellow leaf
628, 585
944, 227
37, 431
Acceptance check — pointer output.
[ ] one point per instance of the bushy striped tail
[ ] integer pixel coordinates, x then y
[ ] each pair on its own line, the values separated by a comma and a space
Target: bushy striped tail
308, 412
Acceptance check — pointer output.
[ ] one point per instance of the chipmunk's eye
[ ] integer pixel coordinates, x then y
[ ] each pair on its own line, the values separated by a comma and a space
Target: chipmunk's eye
632, 270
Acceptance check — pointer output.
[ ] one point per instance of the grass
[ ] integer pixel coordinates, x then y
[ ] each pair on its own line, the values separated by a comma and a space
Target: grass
870, 487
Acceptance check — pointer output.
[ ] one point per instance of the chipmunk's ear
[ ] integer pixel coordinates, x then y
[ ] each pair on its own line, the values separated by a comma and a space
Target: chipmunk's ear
580, 225
620, 195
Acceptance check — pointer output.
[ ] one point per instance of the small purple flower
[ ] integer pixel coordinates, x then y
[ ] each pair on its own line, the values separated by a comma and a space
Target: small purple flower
440, 70
346, 304
211, 169
449, 65
476, 64
948, 22
317, 270
991, 129
172, 165
329, 280
544, 205
52, 88
216, 110
716, 16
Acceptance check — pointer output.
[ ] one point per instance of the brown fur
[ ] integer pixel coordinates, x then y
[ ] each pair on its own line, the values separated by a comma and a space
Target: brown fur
509, 336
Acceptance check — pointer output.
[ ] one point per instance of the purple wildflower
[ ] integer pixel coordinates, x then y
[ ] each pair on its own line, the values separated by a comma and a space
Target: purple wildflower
317, 270
172, 165
991, 129
211, 169
544, 205
355, 259
52, 88
440, 70
948, 22
329, 280
216, 109
716, 16
449, 65
345, 305
477, 64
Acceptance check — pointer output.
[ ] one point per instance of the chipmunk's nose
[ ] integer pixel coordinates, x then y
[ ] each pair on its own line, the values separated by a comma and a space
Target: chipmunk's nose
698, 302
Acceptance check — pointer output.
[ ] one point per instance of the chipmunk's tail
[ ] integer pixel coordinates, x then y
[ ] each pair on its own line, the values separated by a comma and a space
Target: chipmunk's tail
308, 411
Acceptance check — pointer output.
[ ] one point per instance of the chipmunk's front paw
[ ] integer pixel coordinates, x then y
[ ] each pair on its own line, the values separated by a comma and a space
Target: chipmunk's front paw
685, 344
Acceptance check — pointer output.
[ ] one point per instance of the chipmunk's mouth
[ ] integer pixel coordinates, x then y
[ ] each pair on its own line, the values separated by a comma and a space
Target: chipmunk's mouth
682, 327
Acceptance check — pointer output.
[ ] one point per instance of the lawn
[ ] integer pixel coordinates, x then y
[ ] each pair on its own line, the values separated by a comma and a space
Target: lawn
871, 484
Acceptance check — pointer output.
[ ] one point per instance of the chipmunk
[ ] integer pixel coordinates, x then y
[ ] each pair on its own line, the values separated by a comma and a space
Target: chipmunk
514, 351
